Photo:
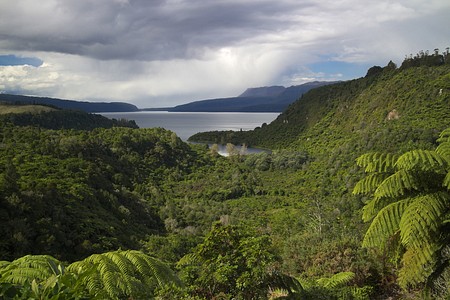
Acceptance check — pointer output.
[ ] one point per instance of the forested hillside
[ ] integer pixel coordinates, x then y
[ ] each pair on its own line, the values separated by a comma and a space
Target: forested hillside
105, 210
69, 104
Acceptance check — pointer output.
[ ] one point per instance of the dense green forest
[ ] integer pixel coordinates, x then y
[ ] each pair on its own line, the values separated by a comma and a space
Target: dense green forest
352, 203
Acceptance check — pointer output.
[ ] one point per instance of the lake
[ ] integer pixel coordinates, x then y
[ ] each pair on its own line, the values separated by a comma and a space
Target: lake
186, 124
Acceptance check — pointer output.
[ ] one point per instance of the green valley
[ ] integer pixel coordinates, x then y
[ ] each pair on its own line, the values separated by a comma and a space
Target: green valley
99, 209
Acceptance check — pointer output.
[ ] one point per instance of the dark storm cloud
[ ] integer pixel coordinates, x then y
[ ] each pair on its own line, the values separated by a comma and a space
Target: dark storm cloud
166, 52
143, 30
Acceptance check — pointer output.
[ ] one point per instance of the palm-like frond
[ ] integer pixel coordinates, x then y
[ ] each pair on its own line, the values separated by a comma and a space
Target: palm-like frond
411, 206
446, 182
368, 184
444, 150
397, 184
423, 160
377, 162
337, 280
29, 268
418, 265
123, 274
422, 219
278, 280
385, 225
373, 207
188, 259
444, 136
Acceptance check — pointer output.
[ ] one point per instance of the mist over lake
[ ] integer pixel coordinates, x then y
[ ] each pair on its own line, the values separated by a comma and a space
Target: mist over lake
186, 124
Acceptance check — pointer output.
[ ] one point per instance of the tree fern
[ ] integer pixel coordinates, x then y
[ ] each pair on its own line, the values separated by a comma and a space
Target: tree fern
412, 206
337, 280
373, 207
444, 150
417, 265
377, 162
123, 274
397, 185
424, 160
385, 225
368, 184
29, 268
422, 219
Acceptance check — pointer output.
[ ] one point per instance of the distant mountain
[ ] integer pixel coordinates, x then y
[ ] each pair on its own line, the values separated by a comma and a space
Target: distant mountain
262, 99
387, 107
70, 104
266, 91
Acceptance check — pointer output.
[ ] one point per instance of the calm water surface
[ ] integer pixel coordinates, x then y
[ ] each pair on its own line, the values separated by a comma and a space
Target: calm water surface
186, 124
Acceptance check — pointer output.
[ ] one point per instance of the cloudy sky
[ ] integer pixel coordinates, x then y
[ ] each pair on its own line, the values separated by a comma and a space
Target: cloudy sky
156, 53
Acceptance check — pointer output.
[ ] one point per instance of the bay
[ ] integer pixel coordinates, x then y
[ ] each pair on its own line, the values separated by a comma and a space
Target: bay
186, 124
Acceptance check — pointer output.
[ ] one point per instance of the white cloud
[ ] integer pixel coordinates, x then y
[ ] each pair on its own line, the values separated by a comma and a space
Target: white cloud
162, 53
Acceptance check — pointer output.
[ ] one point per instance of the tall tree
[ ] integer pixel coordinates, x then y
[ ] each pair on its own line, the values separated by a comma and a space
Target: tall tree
234, 262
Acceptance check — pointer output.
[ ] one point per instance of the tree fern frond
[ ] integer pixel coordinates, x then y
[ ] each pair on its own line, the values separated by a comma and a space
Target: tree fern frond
123, 264
337, 280
27, 268
371, 209
124, 274
385, 224
188, 259
368, 184
157, 269
446, 181
444, 136
417, 265
423, 160
377, 162
444, 149
422, 218
397, 184
277, 280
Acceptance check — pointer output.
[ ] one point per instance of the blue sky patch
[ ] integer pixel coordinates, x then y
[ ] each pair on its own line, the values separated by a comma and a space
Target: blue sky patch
13, 60
348, 70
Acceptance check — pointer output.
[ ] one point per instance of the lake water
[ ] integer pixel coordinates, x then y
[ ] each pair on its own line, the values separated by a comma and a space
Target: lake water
186, 124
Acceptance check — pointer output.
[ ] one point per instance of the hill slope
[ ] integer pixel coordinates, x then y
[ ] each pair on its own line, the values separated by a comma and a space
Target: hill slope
416, 97
53, 118
70, 104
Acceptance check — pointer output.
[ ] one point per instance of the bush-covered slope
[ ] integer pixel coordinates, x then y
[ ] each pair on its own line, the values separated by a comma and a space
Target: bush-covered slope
50, 118
71, 193
416, 97
69, 104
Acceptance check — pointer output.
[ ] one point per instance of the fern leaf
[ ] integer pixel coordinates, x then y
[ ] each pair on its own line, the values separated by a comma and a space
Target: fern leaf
28, 268
397, 185
385, 224
444, 136
277, 280
377, 162
153, 267
423, 160
368, 184
446, 182
417, 265
372, 208
123, 264
188, 259
421, 220
123, 274
444, 150
337, 280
